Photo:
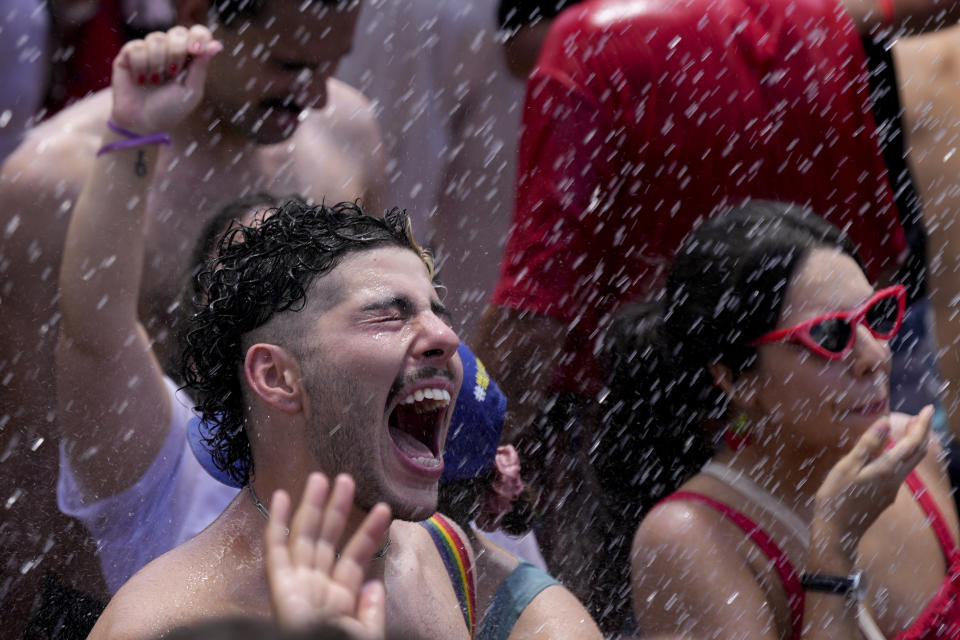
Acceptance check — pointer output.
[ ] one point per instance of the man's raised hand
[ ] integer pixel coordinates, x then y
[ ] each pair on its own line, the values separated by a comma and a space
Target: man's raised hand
309, 584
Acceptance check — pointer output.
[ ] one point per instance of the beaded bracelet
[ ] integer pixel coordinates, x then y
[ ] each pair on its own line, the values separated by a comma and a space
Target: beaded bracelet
132, 139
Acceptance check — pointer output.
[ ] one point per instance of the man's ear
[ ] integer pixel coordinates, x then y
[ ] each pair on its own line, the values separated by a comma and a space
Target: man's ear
191, 12
273, 373
741, 390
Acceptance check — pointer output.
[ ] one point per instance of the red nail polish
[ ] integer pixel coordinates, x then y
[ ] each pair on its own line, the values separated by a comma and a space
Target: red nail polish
172, 70
155, 78
141, 79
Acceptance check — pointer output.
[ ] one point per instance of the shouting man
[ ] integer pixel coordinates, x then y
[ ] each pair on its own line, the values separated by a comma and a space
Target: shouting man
322, 346
270, 119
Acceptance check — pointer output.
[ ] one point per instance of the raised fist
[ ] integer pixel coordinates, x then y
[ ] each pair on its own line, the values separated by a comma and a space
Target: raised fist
159, 80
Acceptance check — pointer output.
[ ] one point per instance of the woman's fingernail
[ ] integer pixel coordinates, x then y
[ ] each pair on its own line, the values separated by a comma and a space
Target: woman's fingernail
141, 79
172, 69
155, 78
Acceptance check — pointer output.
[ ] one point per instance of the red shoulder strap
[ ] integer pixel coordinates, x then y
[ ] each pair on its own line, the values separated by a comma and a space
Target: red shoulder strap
788, 575
929, 506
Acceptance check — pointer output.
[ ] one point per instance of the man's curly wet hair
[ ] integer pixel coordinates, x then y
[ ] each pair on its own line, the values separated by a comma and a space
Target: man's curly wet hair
257, 272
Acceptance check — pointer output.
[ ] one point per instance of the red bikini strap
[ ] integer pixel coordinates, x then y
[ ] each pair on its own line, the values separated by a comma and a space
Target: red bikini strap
929, 507
788, 575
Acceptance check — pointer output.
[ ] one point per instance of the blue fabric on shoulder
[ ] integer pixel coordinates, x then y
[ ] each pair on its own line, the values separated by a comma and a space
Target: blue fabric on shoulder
517, 591
197, 431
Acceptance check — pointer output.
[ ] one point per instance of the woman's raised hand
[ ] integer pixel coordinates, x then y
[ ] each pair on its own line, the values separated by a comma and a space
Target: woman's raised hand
865, 482
159, 80
309, 584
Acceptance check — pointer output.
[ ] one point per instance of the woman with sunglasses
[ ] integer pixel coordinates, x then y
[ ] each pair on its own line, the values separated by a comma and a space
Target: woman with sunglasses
819, 515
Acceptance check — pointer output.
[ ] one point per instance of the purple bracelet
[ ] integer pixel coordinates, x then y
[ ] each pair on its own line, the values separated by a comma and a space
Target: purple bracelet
132, 139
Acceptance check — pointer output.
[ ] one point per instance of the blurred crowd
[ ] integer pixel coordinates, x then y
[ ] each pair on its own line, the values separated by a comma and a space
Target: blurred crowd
479, 318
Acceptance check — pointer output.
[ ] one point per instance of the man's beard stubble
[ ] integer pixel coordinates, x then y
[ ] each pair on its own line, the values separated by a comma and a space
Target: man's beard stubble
342, 443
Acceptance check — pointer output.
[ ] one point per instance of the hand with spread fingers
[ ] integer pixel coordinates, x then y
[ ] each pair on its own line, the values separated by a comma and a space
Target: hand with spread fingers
159, 80
310, 584
866, 481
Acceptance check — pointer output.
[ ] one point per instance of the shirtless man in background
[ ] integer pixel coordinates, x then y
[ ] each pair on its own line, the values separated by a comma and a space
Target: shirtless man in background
271, 119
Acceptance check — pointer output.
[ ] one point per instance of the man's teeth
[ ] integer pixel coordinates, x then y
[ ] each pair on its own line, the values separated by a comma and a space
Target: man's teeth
427, 462
441, 397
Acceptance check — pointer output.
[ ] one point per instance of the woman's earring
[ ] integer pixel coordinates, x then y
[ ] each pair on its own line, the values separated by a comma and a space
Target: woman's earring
737, 435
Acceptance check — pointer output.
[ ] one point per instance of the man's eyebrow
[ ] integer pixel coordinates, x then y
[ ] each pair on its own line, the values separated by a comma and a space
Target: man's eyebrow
406, 306
441, 311
399, 303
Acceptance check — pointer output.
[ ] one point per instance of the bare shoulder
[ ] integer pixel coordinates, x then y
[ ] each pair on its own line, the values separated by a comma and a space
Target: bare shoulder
677, 522
555, 614
351, 164
927, 67
673, 533
199, 580
940, 49
160, 597
39, 184
421, 601
418, 538
62, 147
348, 103
690, 573
41, 179
347, 116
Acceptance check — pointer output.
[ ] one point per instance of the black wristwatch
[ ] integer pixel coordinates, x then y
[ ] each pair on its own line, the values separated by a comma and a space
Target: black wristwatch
851, 585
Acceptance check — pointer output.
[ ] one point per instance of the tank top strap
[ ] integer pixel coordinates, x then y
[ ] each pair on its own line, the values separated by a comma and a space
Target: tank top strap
788, 574
519, 589
456, 559
936, 519
941, 617
761, 497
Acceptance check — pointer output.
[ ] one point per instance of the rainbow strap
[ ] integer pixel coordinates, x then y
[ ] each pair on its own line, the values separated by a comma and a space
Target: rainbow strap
457, 561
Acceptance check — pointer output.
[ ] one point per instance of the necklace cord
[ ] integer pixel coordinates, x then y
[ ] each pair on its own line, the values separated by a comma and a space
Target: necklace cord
266, 516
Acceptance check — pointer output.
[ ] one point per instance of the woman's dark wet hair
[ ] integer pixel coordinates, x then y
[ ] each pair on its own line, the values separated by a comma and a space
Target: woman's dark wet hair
460, 500
257, 272
661, 415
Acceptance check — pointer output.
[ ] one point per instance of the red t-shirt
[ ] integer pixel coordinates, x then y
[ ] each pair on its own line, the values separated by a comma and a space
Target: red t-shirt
644, 116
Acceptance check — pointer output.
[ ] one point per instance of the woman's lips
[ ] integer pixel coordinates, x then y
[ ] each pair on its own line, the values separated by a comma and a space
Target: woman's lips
871, 408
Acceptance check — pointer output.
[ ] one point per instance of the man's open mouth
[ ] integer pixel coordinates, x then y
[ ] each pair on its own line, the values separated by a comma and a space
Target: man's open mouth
415, 425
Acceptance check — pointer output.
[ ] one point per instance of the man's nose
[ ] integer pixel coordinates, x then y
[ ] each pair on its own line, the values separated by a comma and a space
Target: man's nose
438, 340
